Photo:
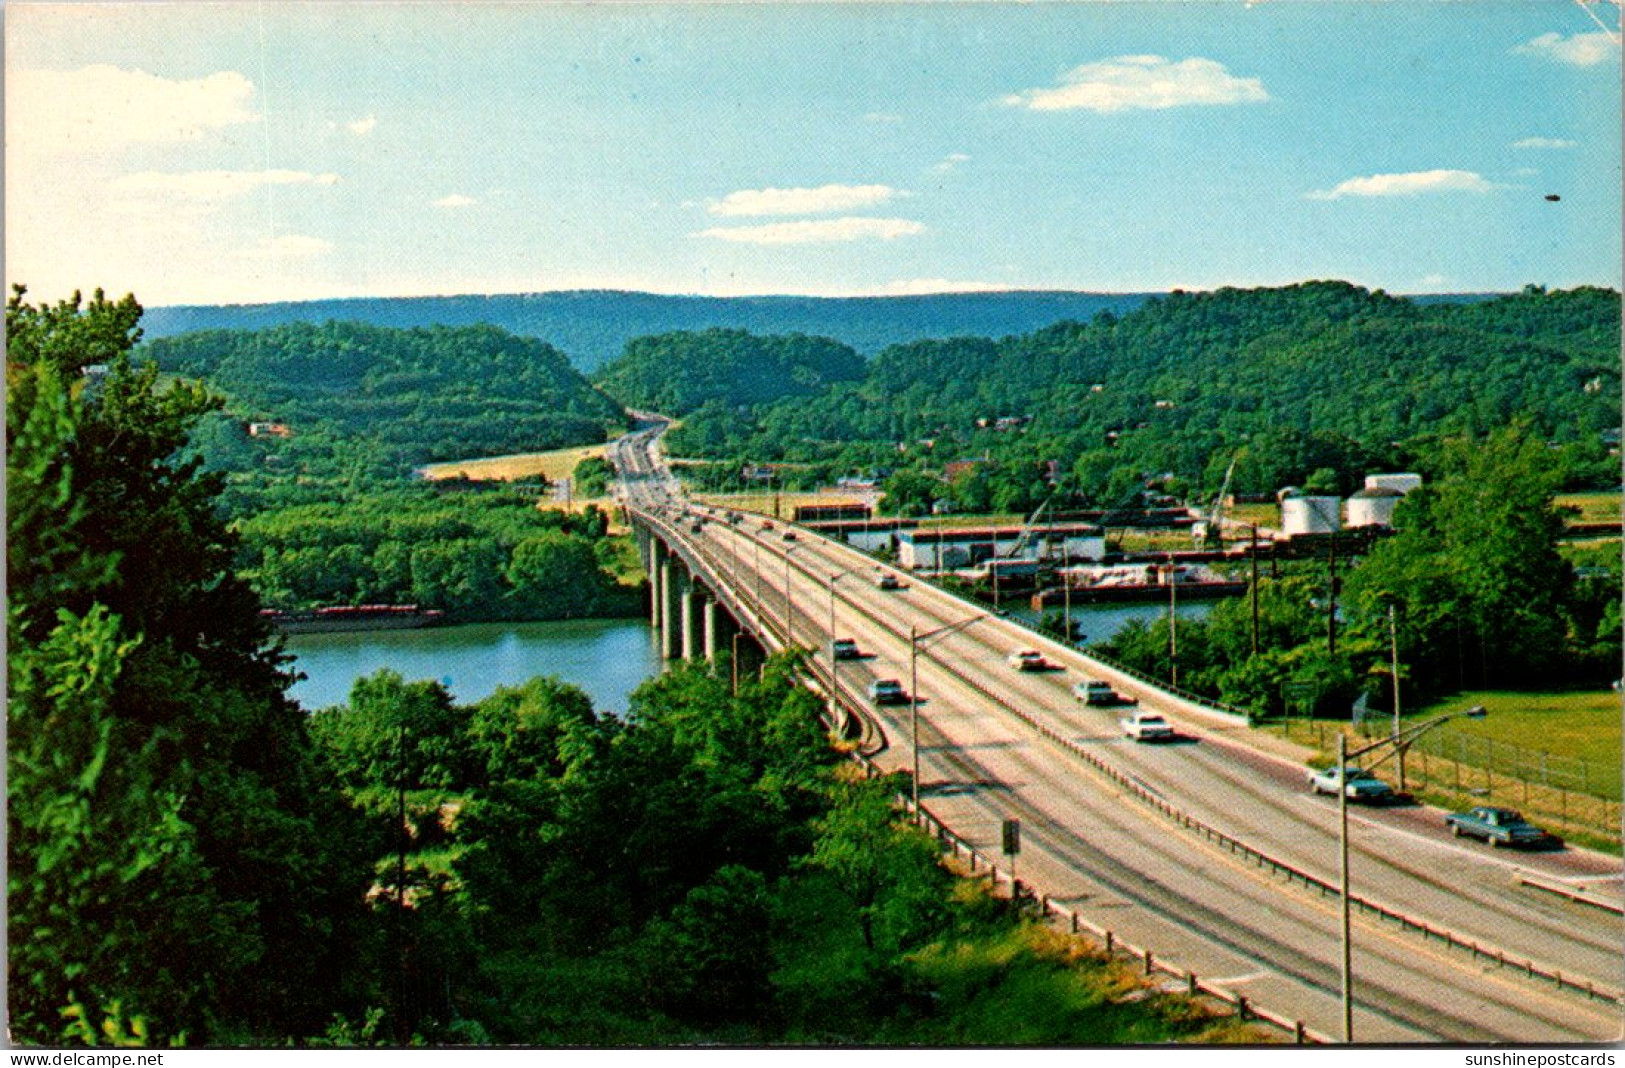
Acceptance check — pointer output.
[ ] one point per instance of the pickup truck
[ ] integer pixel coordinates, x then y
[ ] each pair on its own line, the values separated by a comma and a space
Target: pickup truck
1500, 827
1358, 784
1100, 694
1146, 727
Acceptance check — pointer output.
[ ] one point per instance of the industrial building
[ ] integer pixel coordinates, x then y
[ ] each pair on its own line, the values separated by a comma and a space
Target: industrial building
947, 548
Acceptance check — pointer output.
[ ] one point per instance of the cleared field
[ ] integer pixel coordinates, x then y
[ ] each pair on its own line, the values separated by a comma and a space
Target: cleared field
1583, 724
1593, 507
553, 465
764, 503
1265, 515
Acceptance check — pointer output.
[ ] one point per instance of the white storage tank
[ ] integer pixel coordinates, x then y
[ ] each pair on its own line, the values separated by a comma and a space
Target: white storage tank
1311, 515
1374, 507
1399, 483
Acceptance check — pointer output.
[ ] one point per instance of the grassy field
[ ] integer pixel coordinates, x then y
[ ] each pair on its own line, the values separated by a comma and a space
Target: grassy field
1265, 515
1580, 724
554, 465
787, 501
1593, 507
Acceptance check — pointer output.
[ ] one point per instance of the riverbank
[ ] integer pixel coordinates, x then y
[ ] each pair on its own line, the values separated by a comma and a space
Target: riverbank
608, 658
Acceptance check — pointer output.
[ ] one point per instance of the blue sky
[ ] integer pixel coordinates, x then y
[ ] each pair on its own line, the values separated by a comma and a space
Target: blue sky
245, 152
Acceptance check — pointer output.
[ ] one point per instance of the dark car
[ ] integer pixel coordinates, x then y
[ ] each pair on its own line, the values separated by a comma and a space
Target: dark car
887, 692
1500, 827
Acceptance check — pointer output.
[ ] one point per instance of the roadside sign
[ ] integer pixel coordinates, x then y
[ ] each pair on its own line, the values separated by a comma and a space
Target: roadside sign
1012, 837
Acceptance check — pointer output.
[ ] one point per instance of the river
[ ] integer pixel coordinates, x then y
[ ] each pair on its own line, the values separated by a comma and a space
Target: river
608, 658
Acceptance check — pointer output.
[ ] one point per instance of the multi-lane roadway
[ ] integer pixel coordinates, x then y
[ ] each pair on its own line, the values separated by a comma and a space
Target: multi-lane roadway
1093, 847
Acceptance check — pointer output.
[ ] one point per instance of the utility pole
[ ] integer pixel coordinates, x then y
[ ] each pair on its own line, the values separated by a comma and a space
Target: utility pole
1331, 597
403, 1027
914, 711
1173, 625
1253, 560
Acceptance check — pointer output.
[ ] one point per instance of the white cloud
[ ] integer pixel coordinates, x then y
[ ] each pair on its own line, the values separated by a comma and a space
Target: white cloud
1544, 142
1128, 83
950, 161
455, 200
362, 127
101, 108
214, 185
1580, 50
910, 287
288, 247
1414, 183
823, 199
816, 231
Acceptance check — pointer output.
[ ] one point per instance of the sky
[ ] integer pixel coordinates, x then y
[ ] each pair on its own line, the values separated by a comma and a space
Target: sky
245, 152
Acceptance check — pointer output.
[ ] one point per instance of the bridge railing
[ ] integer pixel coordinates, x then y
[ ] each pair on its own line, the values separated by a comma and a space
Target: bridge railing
1237, 848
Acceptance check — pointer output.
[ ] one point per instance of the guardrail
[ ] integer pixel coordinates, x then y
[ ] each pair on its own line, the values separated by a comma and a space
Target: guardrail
1114, 945
1236, 847
1582, 897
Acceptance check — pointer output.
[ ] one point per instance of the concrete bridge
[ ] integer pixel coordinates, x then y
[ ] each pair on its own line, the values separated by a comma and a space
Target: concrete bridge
1208, 854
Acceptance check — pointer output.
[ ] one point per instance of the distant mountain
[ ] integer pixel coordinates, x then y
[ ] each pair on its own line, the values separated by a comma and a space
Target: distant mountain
592, 327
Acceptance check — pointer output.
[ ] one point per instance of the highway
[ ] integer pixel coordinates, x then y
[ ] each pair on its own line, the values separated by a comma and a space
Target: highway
1090, 845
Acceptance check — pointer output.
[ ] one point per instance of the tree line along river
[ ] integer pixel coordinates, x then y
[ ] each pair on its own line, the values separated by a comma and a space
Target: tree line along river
608, 658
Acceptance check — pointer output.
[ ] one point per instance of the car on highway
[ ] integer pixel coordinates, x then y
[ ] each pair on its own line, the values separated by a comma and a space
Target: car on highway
885, 580
887, 692
767, 526
788, 535
1100, 694
845, 649
1146, 727
1027, 660
1500, 827
1357, 783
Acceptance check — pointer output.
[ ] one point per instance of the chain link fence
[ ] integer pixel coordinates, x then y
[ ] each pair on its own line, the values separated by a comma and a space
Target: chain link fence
1567, 795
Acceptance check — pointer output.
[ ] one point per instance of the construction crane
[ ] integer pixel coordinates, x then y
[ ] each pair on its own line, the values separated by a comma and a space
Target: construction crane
1209, 531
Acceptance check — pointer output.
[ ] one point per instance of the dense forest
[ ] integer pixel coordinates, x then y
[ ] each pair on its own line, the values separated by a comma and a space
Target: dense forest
1316, 383
323, 501
194, 860
677, 373
431, 393
593, 326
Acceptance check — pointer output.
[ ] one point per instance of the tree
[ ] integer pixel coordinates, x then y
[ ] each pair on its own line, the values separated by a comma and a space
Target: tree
170, 832
1473, 570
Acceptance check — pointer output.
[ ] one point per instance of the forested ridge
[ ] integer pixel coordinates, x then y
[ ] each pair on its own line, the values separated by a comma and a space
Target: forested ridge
424, 394
593, 326
324, 502
192, 859
1284, 382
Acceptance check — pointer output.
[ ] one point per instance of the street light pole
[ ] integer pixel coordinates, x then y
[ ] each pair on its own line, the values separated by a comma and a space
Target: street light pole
789, 621
1399, 741
1393, 647
834, 661
914, 711
1343, 864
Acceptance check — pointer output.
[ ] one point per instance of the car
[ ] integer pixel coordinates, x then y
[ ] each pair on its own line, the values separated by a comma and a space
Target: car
1500, 827
1146, 727
1357, 783
885, 580
845, 649
696, 527
788, 535
1027, 660
887, 692
1100, 694
767, 526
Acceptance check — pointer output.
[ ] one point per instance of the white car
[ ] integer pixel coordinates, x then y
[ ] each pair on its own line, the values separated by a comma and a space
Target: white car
1099, 694
1146, 727
1027, 660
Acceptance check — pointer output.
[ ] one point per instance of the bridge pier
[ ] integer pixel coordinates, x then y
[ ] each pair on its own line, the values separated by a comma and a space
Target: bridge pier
689, 608
652, 568
669, 609
713, 627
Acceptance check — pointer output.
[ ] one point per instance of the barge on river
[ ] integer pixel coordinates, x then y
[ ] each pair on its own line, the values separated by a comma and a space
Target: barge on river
353, 617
